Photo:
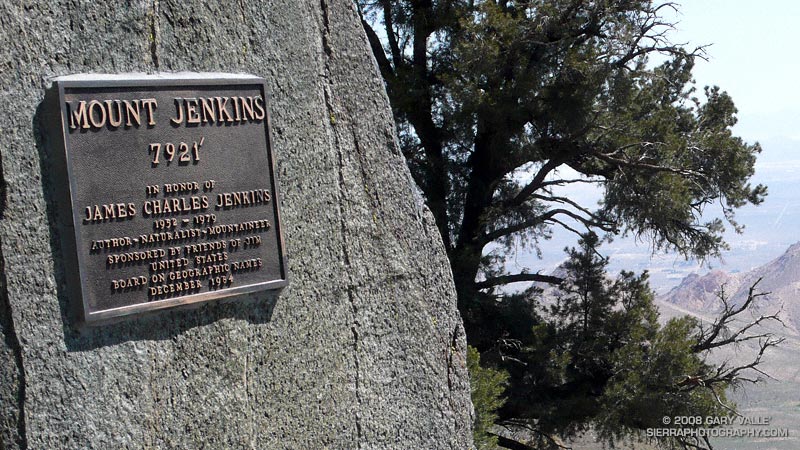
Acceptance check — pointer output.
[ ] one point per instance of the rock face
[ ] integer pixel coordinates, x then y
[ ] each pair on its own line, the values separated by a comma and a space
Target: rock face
779, 279
700, 293
364, 349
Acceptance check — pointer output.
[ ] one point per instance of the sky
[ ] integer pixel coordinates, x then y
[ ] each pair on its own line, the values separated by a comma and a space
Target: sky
751, 58
750, 55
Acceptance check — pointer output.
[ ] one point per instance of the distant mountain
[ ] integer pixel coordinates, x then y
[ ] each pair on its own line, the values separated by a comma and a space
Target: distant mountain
779, 277
700, 293
778, 397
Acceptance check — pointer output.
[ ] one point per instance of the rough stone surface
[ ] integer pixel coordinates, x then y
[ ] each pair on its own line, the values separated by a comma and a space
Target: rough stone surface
364, 349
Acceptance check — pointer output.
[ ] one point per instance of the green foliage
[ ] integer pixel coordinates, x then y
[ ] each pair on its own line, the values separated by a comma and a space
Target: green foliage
599, 358
487, 387
484, 91
646, 388
501, 103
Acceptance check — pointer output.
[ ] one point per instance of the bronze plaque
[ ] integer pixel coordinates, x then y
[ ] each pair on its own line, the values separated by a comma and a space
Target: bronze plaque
172, 190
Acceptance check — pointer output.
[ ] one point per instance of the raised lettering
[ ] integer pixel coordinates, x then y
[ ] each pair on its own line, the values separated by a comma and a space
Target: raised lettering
132, 113
178, 119
151, 104
97, 109
209, 113
222, 108
192, 116
111, 121
78, 117
258, 108
247, 108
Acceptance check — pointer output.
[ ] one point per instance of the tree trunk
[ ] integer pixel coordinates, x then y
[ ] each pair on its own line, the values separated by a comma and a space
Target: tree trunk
465, 259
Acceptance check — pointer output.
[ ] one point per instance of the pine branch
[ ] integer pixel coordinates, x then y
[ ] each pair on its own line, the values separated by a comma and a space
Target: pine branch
516, 278
377, 50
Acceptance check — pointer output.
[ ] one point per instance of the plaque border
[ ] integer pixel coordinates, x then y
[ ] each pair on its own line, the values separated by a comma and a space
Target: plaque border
101, 81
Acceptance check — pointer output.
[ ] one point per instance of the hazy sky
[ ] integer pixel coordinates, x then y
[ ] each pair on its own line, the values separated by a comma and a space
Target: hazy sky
753, 56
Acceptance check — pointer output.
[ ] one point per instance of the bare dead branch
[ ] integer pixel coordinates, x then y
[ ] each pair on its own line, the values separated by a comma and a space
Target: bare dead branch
516, 278
646, 166
521, 423
564, 226
588, 222
536, 183
710, 338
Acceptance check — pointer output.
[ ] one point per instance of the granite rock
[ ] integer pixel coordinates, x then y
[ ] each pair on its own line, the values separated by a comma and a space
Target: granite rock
364, 349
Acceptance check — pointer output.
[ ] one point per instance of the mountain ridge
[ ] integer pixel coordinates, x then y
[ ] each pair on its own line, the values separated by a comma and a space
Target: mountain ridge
778, 280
